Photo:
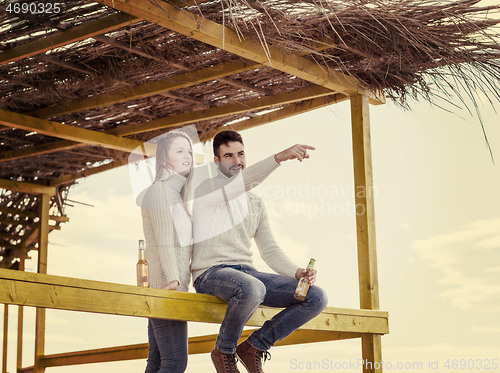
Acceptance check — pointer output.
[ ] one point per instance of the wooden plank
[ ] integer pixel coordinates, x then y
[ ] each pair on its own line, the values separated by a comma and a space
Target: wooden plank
222, 37
225, 110
38, 290
25, 187
64, 131
286, 112
40, 149
63, 38
365, 223
31, 214
67, 178
147, 89
43, 245
67, 65
181, 119
196, 345
5, 337
20, 319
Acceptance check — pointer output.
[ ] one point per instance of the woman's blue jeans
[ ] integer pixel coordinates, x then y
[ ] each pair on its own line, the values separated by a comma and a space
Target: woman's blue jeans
244, 289
168, 346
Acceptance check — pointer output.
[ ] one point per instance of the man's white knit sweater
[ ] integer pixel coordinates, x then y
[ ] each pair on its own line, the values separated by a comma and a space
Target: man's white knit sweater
226, 218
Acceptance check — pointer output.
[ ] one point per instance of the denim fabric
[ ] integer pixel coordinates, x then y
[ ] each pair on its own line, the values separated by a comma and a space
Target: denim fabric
168, 351
244, 289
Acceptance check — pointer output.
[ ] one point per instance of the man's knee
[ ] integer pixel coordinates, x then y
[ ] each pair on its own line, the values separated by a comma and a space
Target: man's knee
252, 290
317, 297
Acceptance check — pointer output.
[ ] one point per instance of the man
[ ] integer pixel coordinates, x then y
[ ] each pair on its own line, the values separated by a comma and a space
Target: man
222, 264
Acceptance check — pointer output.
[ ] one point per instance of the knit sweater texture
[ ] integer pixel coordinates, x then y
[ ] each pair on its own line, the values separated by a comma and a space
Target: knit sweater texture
225, 219
168, 232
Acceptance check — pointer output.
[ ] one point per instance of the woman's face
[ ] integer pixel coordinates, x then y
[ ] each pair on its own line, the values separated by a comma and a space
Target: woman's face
179, 156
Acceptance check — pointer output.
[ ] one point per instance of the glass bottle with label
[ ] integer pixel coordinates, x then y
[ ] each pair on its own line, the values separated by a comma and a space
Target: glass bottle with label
303, 285
142, 267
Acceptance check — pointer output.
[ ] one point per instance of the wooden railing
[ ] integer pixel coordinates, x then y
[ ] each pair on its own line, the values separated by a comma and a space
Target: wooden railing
65, 293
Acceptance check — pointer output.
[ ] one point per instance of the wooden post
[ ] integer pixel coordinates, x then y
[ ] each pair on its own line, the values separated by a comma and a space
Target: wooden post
365, 226
43, 241
20, 317
5, 336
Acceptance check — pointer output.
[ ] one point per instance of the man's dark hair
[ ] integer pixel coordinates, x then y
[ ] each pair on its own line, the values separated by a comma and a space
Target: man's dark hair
225, 137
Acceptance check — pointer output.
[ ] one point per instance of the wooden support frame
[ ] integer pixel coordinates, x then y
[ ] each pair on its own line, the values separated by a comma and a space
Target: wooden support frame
25, 187
20, 318
365, 225
72, 133
32, 289
41, 290
196, 345
43, 245
286, 112
78, 33
298, 95
147, 89
5, 337
63, 38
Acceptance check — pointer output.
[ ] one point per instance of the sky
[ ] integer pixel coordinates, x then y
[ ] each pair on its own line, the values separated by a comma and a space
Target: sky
437, 222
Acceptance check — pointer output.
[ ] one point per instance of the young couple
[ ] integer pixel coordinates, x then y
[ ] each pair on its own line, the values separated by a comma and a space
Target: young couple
223, 220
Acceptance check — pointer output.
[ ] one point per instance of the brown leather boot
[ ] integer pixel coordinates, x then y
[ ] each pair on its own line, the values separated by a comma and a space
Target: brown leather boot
251, 357
224, 363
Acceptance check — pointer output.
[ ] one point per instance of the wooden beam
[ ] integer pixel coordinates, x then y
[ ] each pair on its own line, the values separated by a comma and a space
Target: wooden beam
181, 66
196, 345
43, 245
365, 224
31, 214
285, 112
39, 149
222, 37
20, 319
147, 89
225, 110
65, 64
63, 38
25, 187
5, 337
40, 290
73, 133
64, 179
181, 119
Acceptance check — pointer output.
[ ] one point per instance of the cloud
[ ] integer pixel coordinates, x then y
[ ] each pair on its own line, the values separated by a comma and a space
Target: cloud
468, 262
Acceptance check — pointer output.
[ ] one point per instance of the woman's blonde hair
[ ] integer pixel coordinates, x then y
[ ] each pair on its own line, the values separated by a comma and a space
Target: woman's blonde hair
163, 171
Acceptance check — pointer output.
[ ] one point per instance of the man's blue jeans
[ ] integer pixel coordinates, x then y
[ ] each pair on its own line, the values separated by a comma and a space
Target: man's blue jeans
168, 351
244, 289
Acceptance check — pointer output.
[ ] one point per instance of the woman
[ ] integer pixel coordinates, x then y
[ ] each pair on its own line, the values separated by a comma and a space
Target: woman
168, 231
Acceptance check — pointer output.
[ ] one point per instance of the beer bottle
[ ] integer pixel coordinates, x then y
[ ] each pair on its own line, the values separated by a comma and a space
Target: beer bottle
303, 285
142, 267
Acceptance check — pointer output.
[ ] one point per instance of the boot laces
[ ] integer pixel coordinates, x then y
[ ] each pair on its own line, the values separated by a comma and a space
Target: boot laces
259, 356
230, 363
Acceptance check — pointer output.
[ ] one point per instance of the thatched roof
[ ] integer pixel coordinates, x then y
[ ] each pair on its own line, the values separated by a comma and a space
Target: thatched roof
405, 47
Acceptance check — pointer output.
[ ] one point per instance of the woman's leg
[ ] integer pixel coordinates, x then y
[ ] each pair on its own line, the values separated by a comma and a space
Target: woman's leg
171, 338
153, 363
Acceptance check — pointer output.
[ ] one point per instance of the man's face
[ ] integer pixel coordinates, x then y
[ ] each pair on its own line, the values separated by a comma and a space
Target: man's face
231, 158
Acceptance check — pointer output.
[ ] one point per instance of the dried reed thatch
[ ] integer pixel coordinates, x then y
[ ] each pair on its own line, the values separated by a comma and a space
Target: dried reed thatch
416, 48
